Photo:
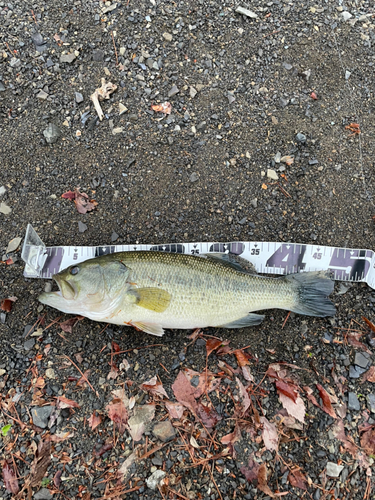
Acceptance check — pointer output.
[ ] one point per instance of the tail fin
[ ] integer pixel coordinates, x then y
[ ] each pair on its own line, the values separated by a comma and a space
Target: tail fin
312, 290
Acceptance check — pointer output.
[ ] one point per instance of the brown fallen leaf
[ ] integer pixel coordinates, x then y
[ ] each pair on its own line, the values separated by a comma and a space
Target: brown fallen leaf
327, 405
262, 481
40, 463
118, 414
298, 479
7, 304
251, 470
295, 408
67, 326
154, 387
63, 402
338, 430
184, 392
81, 200
369, 376
212, 345
94, 420
269, 435
10, 479
369, 323
243, 358
368, 441
208, 416
165, 107
245, 400
140, 420
175, 410
288, 389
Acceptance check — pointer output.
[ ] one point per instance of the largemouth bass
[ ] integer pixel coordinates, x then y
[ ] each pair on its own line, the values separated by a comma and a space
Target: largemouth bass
156, 290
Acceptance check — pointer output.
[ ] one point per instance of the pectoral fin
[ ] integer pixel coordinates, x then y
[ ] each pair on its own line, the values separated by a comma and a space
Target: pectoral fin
152, 328
249, 320
154, 299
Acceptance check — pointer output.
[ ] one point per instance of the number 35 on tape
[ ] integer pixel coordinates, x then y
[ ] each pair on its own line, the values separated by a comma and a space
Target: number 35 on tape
345, 264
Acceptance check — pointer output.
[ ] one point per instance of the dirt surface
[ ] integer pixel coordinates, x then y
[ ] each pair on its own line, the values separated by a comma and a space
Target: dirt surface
241, 89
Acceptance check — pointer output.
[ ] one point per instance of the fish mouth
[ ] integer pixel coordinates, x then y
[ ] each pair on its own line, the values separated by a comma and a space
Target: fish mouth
66, 290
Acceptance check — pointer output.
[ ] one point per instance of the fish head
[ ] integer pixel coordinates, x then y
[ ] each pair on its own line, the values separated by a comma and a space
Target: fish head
91, 286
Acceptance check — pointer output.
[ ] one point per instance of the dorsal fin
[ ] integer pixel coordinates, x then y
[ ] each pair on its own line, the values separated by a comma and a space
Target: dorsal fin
233, 261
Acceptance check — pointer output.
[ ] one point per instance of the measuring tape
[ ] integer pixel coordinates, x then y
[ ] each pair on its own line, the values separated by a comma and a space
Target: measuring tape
345, 264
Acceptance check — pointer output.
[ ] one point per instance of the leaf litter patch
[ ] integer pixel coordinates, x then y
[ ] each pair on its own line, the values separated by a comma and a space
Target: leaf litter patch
185, 418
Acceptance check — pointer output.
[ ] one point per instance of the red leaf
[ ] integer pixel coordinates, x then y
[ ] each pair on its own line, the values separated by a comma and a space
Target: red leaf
298, 479
175, 410
242, 357
262, 481
106, 447
67, 326
154, 386
10, 479
327, 405
57, 478
289, 390
94, 420
69, 195
83, 380
313, 96
81, 200
184, 392
244, 396
269, 435
118, 414
369, 323
116, 347
63, 402
7, 304
368, 441
208, 415
251, 471
212, 345
369, 375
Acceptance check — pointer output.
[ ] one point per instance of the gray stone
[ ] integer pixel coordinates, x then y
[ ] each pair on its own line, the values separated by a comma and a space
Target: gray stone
29, 344
37, 39
14, 62
334, 470
97, 55
40, 415
42, 95
81, 227
370, 398
277, 157
254, 202
164, 431
231, 98
356, 371
301, 137
51, 133
347, 75
353, 403
114, 237
287, 66
2, 87
155, 478
67, 58
193, 177
174, 90
78, 97
362, 359
43, 494
2, 190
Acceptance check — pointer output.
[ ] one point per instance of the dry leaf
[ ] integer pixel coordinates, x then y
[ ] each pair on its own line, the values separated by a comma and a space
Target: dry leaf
118, 414
327, 405
244, 395
10, 479
81, 200
269, 435
175, 410
297, 479
40, 463
94, 420
184, 392
165, 108
154, 386
138, 423
262, 481
251, 470
63, 402
369, 375
295, 408
7, 304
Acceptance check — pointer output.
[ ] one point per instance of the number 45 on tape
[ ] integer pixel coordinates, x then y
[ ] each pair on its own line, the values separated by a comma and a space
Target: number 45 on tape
345, 264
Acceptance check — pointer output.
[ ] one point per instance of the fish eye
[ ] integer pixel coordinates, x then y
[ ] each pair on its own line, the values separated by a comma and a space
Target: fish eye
74, 270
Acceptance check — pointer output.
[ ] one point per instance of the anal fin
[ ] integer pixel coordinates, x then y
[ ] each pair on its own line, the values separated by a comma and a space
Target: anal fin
249, 320
152, 328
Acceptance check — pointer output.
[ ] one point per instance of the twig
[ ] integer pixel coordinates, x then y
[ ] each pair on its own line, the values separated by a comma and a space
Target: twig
83, 375
286, 319
132, 349
32, 13
114, 45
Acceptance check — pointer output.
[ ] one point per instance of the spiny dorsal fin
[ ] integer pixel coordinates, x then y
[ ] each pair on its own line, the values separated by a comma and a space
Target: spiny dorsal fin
234, 261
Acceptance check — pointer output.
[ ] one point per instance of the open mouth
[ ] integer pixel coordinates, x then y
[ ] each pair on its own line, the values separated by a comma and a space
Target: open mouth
66, 290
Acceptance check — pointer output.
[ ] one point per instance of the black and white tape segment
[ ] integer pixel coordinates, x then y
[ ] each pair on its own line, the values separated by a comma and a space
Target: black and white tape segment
345, 264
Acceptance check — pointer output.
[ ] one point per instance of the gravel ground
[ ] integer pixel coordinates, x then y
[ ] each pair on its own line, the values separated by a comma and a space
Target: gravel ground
244, 92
